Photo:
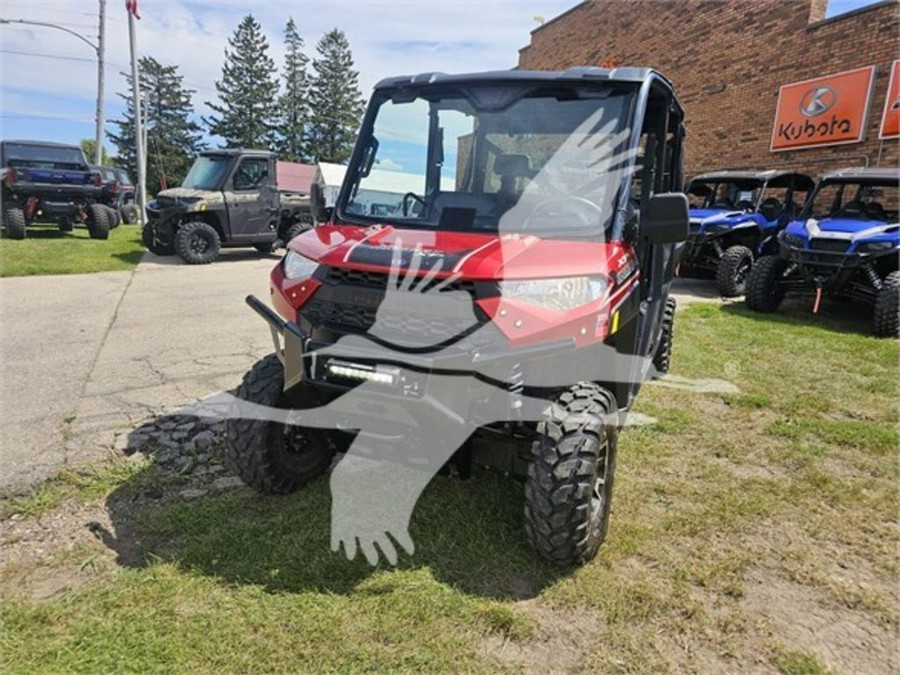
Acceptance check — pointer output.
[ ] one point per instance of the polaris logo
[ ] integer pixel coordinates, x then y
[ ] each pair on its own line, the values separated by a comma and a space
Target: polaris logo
818, 101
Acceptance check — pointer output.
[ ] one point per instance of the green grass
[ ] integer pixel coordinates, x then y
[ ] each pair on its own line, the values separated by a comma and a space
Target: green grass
792, 481
46, 250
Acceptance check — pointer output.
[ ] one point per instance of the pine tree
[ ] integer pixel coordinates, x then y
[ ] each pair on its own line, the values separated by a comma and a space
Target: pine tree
293, 105
336, 103
247, 91
173, 139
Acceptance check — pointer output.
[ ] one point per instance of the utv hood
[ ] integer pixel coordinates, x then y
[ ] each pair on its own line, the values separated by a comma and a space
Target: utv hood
477, 257
187, 195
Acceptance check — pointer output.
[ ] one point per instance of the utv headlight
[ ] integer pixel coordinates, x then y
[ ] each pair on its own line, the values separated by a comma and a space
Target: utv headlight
876, 247
558, 294
297, 266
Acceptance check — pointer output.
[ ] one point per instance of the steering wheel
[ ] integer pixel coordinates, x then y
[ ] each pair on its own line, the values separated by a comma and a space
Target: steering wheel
587, 211
405, 202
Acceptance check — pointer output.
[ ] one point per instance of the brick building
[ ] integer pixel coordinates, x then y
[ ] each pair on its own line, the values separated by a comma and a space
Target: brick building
727, 60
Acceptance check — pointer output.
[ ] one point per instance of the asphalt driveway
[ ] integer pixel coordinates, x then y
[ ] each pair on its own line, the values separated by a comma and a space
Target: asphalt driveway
85, 358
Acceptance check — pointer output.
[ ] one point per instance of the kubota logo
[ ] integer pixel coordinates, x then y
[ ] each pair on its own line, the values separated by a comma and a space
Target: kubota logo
818, 100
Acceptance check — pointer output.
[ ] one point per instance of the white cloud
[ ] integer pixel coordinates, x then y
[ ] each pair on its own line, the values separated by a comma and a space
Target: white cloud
388, 37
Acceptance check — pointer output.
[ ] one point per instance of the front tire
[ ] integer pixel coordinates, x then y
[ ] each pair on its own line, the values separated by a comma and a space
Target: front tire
152, 245
764, 289
568, 490
731, 276
15, 223
886, 316
197, 243
271, 457
98, 221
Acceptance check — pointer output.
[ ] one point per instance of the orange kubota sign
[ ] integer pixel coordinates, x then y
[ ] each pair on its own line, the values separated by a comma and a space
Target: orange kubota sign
890, 119
829, 110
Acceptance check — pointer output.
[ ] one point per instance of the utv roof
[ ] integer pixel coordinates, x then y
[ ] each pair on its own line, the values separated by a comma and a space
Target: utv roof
43, 144
235, 151
880, 174
577, 74
773, 177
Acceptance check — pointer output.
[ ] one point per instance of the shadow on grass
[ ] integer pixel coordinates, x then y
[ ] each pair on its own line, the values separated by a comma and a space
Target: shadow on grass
837, 315
469, 534
130, 257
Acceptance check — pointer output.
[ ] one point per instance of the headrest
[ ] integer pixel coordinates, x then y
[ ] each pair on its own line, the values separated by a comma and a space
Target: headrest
513, 165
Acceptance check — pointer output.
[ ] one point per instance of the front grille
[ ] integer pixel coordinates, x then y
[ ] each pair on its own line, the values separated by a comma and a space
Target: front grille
351, 301
379, 281
832, 245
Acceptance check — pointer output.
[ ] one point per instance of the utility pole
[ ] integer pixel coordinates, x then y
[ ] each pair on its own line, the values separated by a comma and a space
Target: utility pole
136, 100
98, 49
98, 138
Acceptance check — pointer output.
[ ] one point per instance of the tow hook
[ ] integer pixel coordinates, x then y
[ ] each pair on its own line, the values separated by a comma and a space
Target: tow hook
818, 282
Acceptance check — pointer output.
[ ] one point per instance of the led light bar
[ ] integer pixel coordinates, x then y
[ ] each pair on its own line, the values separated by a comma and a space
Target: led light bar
349, 371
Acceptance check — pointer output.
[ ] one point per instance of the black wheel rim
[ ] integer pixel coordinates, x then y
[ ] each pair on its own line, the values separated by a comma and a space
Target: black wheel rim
598, 495
300, 447
740, 276
198, 244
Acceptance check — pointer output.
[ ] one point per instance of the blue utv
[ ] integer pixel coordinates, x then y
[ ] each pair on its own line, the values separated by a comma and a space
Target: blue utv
845, 244
735, 217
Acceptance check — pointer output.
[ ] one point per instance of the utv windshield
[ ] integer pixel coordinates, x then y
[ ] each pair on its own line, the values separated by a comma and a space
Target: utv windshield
207, 173
494, 158
870, 200
42, 156
725, 194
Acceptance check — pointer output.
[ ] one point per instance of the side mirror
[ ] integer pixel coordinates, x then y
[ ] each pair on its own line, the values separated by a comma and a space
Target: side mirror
317, 203
666, 219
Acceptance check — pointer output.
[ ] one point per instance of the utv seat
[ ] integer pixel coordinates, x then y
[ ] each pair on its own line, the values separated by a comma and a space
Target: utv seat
512, 169
723, 204
771, 209
854, 209
876, 211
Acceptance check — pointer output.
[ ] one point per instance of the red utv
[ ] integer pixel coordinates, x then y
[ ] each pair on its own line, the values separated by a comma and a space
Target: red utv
546, 205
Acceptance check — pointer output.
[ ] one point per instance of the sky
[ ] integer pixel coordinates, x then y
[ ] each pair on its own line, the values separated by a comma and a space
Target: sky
49, 78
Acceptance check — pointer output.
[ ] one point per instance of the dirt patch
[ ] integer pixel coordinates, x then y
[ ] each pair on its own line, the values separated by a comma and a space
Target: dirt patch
561, 641
800, 618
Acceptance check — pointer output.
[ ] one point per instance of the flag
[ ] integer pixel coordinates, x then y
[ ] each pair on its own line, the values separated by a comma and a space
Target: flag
132, 7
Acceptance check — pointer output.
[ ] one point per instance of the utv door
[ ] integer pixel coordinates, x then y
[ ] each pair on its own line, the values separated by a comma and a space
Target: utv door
246, 195
660, 171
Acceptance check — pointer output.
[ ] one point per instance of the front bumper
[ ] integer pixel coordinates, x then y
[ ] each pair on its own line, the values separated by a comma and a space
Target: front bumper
164, 220
702, 250
481, 372
830, 262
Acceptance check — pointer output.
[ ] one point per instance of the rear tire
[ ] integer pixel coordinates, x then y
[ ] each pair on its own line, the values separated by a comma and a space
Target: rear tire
568, 490
734, 267
886, 316
295, 230
663, 356
128, 214
98, 221
271, 457
114, 218
197, 243
764, 290
15, 223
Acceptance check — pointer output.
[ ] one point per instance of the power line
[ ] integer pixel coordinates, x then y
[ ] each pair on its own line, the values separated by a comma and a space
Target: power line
47, 56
